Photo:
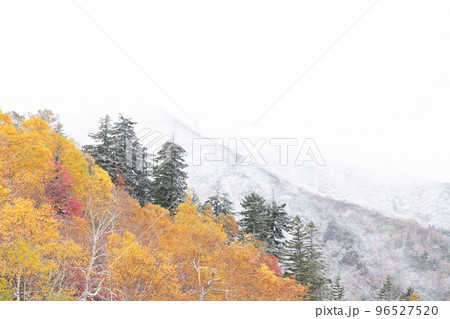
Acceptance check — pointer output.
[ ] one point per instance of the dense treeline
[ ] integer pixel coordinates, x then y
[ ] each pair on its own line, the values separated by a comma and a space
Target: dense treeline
104, 224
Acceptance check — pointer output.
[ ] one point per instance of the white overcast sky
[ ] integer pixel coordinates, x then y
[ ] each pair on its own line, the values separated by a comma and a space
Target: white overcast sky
375, 91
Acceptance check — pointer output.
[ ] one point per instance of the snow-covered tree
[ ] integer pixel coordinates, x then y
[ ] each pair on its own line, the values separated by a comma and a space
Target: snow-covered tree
220, 203
102, 150
315, 264
407, 294
118, 151
337, 289
293, 256
125, 147
302, 258
277, 223
388, 290
168, 184
254, 216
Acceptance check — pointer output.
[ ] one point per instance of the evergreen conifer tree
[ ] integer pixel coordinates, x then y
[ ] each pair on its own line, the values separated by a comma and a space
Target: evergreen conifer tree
220, 203
142, 175
387, 292
168, 184
337, 289
315, 267
406, 295
125, 149
130, 159
254, 216
277, 223
195, 199
293, 257
102, 150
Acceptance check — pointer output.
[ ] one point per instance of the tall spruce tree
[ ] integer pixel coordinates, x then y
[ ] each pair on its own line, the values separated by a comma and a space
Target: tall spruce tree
254, 217
220, 203
293, 256
124, 149
315, 264
168, 184
302, 258
337, 289
277, 223
102, 150
142, 173
130, 158
388, 290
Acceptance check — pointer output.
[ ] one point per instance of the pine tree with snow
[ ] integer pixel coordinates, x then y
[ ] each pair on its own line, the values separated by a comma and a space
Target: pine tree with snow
220, 203
277, 223
168, 184
124, 148
142, 175
302, 258
254, 217
337, 290
293, 256
406, 295
130, 160
102, 150
119, 152
315, 265
388, 290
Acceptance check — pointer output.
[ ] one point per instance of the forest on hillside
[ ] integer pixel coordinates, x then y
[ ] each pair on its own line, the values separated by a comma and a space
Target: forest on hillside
105, 222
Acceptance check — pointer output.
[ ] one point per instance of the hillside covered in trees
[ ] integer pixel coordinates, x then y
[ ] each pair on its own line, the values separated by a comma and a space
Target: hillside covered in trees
68, 233
101, 223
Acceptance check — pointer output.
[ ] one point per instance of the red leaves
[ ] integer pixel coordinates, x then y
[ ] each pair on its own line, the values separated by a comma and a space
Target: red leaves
272, 262
58, 191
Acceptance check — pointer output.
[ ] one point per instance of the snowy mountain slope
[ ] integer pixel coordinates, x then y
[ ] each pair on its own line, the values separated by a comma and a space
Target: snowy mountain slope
391, 194
388, 192
363, 244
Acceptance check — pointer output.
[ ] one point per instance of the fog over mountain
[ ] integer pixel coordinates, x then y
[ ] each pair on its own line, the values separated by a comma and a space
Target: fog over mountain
372, 225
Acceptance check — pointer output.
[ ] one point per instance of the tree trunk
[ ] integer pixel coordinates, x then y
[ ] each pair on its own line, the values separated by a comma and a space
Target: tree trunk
18, 288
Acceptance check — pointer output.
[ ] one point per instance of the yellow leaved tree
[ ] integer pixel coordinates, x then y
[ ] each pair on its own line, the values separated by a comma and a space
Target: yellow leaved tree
36, 261
137, 274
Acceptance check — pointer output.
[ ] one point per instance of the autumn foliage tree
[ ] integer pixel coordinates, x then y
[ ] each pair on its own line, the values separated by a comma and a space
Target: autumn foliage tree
137, 273
59, 192
36, 261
